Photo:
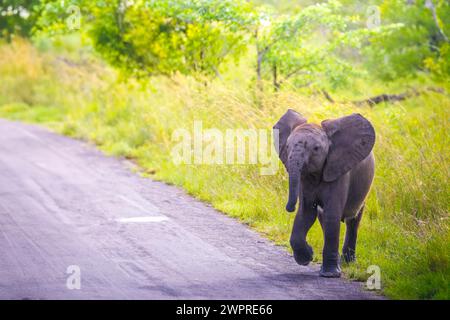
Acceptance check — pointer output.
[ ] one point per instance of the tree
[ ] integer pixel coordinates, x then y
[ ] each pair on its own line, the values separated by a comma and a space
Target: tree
418, 45
18, 18
303, 48
165, 36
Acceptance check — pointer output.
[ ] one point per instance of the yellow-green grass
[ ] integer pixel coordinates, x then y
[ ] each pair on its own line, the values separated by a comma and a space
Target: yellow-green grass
405, 230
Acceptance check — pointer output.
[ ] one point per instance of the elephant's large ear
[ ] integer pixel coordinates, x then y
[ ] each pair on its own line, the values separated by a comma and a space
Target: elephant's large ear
352, 139
285, 125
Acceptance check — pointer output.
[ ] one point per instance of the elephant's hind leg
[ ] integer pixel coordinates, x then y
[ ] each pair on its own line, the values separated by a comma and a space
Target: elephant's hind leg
351, 234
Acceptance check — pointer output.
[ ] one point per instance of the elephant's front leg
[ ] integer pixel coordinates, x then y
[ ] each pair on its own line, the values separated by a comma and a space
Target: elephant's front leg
331, 221
306, 215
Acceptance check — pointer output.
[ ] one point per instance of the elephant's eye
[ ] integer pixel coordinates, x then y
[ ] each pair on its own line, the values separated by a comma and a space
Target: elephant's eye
316, 148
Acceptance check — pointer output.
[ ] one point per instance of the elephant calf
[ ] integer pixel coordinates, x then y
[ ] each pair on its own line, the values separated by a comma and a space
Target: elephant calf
331, 168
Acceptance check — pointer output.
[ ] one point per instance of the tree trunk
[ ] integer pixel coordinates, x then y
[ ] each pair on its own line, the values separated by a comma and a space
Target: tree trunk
276, 84
258, 71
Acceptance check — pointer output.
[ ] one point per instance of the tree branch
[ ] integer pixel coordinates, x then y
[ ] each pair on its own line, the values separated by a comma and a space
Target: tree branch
430, 5
397, 97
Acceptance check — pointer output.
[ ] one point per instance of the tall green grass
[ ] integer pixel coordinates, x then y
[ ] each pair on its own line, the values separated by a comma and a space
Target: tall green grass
405, 230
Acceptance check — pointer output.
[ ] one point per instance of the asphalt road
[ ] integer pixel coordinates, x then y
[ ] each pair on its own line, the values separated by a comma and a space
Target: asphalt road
65, 207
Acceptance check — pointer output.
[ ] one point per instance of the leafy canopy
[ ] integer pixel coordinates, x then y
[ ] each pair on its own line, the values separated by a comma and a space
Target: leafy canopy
18, 17
305, 43
162, 37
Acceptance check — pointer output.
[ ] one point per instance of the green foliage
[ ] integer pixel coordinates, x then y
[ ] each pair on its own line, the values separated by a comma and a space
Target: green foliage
182, 36
61, 17
440, 65
415, 40
18, 17
286, 47
417, 45
301, 46
317, 42
161, 37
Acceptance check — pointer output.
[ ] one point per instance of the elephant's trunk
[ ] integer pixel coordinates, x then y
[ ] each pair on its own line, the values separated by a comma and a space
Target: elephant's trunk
294, 184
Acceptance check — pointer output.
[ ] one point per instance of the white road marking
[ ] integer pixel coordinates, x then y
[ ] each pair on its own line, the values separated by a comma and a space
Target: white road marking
143, 219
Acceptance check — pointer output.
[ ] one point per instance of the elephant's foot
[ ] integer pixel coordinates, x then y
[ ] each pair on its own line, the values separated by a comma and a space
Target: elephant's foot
304, 257
330, 271
331, 266
349, 255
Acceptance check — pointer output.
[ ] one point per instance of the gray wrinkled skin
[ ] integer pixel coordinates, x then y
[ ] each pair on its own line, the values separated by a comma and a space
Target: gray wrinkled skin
331, 168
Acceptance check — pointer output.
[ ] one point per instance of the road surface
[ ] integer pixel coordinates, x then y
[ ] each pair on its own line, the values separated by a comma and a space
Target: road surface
72, 218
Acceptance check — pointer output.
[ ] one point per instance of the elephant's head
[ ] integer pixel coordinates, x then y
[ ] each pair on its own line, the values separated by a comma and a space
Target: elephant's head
327, 151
